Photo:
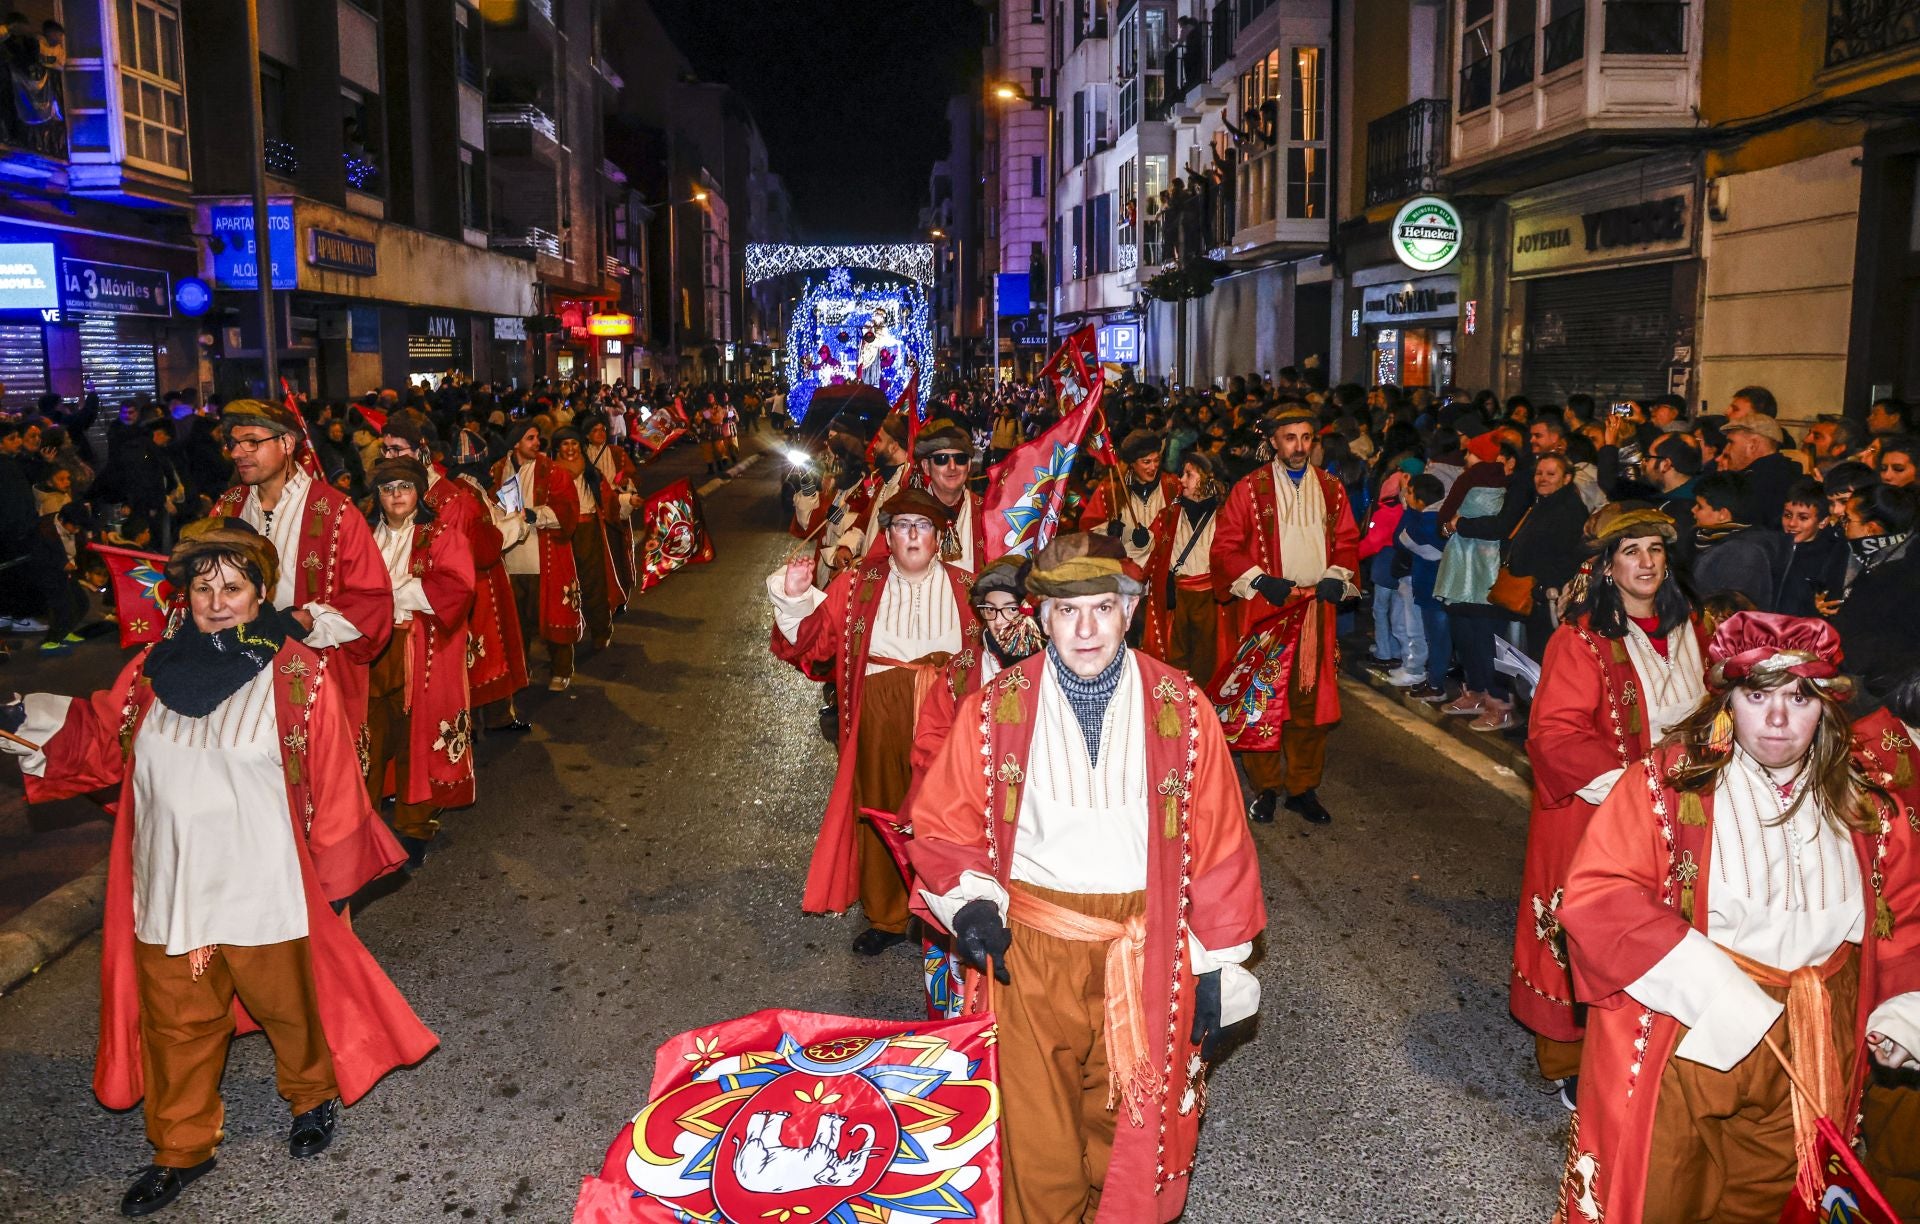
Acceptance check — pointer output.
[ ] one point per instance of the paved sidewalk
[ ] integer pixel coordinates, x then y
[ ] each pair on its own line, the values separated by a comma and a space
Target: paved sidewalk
1507, 749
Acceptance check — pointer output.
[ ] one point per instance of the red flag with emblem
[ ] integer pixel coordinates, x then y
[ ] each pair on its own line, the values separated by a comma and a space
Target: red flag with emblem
142, 596
1024, 490
797, 1116
676, 534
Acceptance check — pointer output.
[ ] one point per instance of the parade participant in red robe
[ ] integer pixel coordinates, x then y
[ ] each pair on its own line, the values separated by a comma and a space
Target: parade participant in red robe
1287, 532
332, 581
944, 455
496, 657
1098, 879
886, 627
600, 590
620, 497
1623, 669
1182, 614
419, 721
1743, 895
888, 474
537, 550
1008, 636
1129, 503
241, 815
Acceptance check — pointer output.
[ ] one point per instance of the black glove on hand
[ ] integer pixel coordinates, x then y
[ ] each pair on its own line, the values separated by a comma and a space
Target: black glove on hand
1332, 590
1273, 590
532, 517
982, 939
13, 713
1206, 1014
1115, 528
1142, 537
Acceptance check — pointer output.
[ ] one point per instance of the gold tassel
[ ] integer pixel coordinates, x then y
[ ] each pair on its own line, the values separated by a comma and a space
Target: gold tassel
297, 691
1721, 739
1172, 830
1011, 809
1007, 708
1634, 724
1692, 811
1168, 722
1882, 917
1902, 769
293, 768
1686, 902
1619, 651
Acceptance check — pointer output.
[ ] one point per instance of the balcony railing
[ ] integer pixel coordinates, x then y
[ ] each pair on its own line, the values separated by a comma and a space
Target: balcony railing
1564, 39
1652, 27
283, 158
1405, 151
530, 117
1223, 34
1516, 63
34, 116
1476, 86
1190, 62
532, 240
1859, 28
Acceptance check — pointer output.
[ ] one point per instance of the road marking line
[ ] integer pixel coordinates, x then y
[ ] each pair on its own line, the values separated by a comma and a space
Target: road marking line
707, 489
1494, 774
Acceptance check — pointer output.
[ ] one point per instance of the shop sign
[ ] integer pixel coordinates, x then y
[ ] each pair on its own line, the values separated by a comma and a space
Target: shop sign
732, 354
1426, 234
612, 348
1597, 234
192, 296
26, 277
1431, 297
363, 322
509, 329
610, 325
342, 253
88, 286
233, 256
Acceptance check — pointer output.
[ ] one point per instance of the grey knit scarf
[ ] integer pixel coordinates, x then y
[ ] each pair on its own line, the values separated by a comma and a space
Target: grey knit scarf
1088, 698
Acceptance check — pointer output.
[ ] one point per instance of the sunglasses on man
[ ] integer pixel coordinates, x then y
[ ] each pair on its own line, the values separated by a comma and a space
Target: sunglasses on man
949, 458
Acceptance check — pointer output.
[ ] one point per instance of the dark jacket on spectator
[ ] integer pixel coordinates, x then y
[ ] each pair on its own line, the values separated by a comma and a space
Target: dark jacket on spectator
1750, 560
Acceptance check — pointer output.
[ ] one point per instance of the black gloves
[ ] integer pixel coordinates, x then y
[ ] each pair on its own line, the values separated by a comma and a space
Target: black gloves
1115, 527
980, 937
1332, 590
1273, 590
1206, 1014
532, 517
1142, 537
13, 713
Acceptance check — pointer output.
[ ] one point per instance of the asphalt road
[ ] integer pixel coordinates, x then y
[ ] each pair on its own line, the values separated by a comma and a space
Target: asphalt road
633, 870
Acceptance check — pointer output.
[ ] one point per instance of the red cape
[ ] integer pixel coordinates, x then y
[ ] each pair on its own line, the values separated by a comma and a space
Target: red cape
496, 657
560, 618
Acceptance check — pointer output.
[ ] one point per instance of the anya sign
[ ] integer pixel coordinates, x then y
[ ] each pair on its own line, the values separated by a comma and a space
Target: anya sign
1426, 234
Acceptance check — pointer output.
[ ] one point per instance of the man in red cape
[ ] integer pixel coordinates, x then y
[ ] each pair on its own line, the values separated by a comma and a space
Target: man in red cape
331, 579
1751, 835
887, 627
538, 551
1080, 835
944, 453
1287, 532
166, 1015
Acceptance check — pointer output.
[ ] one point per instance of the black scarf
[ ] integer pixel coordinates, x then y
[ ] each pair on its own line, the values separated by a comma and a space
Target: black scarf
193, 672
1197, 511
1144, 490
1872, 550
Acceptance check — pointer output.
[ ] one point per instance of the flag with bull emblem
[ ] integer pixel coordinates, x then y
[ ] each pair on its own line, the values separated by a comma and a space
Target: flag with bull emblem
676, 534
787, 1117
142, 596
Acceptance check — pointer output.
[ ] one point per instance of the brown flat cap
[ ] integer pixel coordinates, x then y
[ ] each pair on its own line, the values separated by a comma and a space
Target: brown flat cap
913, 500
1139, 444
1082, 564
278, 418
940, 436
230, 537
403, 467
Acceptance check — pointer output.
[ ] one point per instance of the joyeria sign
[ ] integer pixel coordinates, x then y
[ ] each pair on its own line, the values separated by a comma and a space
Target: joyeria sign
1426, 234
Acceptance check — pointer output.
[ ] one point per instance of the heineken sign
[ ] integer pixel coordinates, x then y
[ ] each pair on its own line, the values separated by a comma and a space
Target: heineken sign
1426, 234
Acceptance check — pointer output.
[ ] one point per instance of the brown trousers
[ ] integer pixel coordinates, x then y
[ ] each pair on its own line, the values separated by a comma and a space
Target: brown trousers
590, 557
1892, 1127
526, 601
882, 771
1557, 1060
1722, 1149
187, 1025
1302, 759
1057, 1132
1191, 624
390, 740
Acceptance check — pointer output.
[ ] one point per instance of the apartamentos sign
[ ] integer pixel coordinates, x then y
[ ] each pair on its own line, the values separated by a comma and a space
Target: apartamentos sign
1601, 230
342, 253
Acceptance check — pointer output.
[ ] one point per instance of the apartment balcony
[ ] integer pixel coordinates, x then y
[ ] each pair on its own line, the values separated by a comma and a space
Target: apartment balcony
1225, 27
1859, 29
1406, 151
1190, 66
523, 131
33, 130
1607, 67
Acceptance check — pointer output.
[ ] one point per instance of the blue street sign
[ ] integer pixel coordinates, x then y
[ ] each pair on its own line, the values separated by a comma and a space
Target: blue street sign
233, 261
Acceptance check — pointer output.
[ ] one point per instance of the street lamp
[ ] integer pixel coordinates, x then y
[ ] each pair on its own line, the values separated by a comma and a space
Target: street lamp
1007, 91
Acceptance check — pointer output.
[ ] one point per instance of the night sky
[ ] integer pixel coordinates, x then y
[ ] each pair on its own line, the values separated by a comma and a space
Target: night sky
850, 96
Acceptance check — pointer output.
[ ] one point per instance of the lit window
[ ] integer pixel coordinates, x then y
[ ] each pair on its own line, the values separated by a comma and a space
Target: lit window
153, 95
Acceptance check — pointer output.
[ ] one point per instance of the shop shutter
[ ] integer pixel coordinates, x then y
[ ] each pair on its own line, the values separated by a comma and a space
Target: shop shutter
1608, 334
23, 363
121, 369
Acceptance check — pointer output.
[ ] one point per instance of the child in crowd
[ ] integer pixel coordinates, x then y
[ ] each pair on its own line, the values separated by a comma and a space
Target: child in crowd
1417, 546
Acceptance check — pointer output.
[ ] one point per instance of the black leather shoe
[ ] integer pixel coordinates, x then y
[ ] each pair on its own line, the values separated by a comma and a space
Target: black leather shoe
416, 849
313, 1130
830, 724
518, 726
1308, 807
871, 942
159, 1186
1260, 811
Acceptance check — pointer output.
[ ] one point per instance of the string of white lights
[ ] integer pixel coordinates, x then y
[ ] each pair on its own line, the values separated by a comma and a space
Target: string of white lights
913, 260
